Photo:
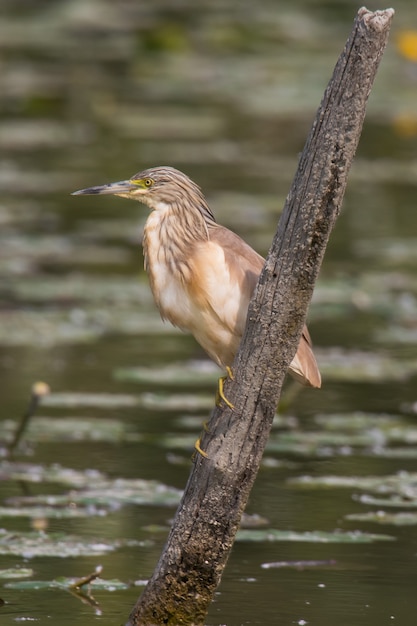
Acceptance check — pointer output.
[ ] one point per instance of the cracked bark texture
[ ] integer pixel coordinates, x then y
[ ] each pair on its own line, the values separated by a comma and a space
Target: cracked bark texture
198, 546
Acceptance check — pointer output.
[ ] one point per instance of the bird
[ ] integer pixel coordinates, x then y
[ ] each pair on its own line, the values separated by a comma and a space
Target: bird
202, 275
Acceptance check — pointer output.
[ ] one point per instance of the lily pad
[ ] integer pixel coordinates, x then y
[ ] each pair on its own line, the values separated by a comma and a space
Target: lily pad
78, 288
381, 517
348, 365
403, 484
111, 497
48, 328
148, 400
110, 494
272, 535
253, 521
357, 420
96, 494
179, 442
45, 329
73, 429
299, 565
318, 443
394, 501
382, 429
177, 402
389, 250
370, 292
396, 334
51, 512
29, 472
43, 248
96, 400
32, 544
16, 572
187, 374
398, 452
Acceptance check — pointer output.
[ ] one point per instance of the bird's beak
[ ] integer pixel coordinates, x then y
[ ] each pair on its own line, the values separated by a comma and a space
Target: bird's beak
121, 188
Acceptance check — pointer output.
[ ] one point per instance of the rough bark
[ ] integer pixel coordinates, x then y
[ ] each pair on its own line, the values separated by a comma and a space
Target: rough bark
200, 541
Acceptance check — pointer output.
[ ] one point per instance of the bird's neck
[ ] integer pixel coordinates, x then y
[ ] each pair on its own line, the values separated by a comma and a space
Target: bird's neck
169, 235
175, 222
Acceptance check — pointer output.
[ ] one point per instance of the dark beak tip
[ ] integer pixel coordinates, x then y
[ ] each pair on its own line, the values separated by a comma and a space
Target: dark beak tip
86, 192
122, 187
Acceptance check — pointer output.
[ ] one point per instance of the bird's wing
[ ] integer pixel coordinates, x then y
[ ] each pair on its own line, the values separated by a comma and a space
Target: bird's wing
238, 273
229, 269
224, 272
304, 366
246, 264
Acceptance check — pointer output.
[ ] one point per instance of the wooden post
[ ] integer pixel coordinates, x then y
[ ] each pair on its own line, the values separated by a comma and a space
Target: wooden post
200, 541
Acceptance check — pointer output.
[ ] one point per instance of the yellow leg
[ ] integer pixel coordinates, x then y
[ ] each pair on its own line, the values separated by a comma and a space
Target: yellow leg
220, 393
199, 449
229, 372
219, 397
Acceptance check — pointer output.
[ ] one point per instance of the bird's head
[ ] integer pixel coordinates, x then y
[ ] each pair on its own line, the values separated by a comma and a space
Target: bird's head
158, 188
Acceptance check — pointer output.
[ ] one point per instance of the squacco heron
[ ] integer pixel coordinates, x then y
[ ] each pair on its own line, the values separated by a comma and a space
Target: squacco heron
202, 275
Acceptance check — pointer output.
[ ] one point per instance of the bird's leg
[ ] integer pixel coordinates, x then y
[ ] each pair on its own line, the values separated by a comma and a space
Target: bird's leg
197, 445
220, 393
219, 397
198, 448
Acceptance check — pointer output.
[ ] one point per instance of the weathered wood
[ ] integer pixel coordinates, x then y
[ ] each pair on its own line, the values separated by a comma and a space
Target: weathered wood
200, 541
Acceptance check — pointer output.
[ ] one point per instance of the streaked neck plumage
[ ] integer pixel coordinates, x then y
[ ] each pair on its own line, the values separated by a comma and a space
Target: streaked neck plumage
177, 223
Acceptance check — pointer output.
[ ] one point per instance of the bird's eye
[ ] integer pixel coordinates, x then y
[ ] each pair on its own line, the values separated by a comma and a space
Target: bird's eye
148, 182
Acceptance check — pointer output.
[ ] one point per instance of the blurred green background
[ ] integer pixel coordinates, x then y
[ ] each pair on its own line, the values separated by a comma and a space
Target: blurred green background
91, 92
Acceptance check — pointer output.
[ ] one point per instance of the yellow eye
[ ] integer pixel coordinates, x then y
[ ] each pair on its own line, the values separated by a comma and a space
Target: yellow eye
148, 182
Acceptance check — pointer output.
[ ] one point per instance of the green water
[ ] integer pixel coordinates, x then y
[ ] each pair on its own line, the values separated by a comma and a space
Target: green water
93, 92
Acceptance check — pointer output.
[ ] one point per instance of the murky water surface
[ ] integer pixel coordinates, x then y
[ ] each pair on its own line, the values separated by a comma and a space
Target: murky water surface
90, 93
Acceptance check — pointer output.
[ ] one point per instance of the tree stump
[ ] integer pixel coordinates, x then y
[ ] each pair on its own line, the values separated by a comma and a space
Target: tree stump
190, 567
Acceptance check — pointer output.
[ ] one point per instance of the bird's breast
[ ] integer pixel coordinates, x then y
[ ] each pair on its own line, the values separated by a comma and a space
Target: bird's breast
168, 270
193, 289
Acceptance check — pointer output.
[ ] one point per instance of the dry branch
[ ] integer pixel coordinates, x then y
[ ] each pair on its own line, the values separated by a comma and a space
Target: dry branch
200, 541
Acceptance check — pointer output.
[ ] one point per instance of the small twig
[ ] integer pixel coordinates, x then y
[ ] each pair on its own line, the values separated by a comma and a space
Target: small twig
39, 390
86, 580
76, 589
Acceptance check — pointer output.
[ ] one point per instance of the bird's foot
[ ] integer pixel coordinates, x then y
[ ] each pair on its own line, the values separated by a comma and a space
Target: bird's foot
198, 448
197, 444
219, 397
220, 389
